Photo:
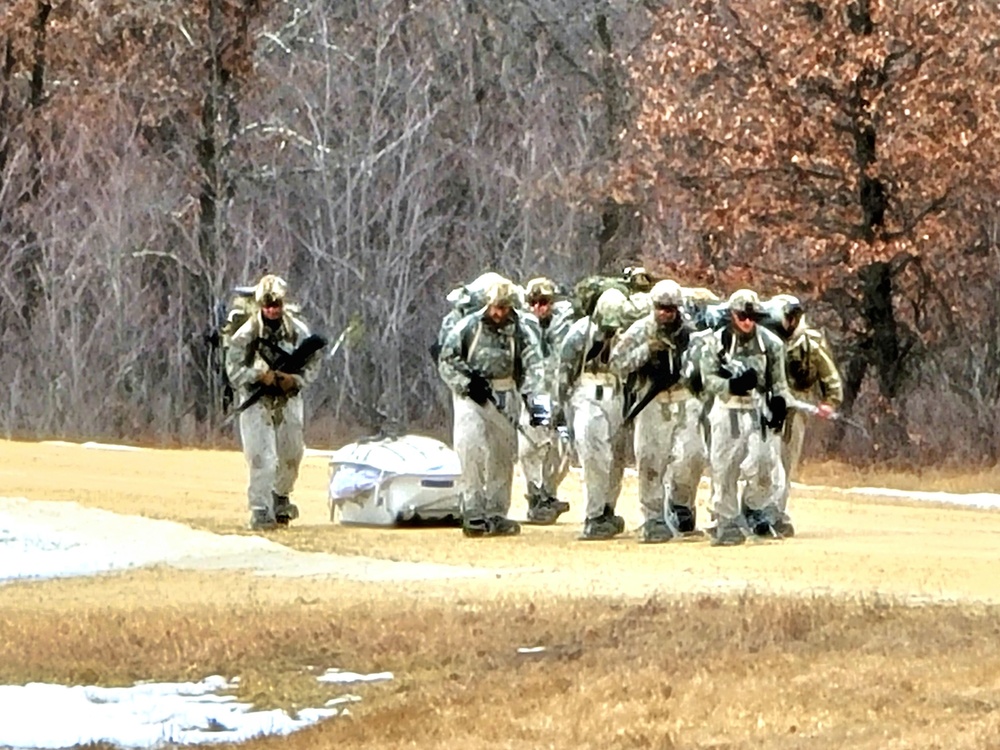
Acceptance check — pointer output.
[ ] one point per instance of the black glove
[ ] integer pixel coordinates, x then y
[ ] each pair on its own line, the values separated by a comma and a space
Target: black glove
479, 389
743, 383
779, 410
435, 351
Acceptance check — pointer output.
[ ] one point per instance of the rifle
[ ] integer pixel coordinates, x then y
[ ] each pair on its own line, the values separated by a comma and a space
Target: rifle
813, 411
291, 362
657, 387
663, 377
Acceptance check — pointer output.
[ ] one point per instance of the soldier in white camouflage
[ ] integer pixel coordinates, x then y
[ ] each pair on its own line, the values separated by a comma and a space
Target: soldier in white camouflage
490, 360
543, 453
743, 367
669, 449
811, 373
271, 429
595, 395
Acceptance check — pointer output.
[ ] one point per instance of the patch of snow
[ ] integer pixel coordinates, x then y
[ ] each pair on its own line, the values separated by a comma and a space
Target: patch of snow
147, 715
50, 539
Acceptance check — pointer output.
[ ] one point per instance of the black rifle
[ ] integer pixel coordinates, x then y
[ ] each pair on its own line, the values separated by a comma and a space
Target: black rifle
661, 382
662, 373
288, 362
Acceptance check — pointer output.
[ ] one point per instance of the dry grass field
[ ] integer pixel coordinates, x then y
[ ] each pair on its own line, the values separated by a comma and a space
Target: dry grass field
875, 627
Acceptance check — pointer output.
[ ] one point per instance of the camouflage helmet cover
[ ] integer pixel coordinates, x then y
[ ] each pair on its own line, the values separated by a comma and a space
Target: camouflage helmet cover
639, 278
270, 289
744, 300
473, 293
786, 304
667, 293
539, 288
502, 293
609, 310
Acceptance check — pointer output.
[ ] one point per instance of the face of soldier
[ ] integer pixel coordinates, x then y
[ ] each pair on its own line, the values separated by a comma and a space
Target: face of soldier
541, 307
791, 321
498, 314
665, 314
272, 310
743, 321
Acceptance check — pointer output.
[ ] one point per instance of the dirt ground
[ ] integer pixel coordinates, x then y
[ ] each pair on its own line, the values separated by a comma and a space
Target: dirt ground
847, 544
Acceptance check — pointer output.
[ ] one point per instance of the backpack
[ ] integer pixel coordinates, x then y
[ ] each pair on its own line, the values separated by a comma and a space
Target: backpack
589, 288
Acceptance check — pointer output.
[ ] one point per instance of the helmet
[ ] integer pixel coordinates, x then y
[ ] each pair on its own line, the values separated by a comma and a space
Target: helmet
667, 293
539, 288
786, 304
639, 279
608, 312
270, 289
471, 295
744, 301
502, 293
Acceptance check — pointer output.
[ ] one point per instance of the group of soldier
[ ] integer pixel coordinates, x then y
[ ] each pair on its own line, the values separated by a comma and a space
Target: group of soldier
694, 383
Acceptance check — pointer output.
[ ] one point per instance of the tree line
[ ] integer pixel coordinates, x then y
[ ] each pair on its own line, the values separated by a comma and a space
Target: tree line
377, 154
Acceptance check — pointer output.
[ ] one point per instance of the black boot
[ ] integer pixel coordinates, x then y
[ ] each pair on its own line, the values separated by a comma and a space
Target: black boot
285, 511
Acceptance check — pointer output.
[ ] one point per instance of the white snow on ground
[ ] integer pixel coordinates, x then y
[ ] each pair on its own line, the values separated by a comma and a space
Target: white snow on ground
149, 715
50, 539
966, 499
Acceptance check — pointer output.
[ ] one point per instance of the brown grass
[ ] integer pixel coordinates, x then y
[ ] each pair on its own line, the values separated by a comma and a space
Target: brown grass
705, 671
634, 656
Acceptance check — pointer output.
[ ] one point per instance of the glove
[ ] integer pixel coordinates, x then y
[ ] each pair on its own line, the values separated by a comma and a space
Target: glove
779, 411
479, 389
435, 351
267, 378
285, 382
743, 383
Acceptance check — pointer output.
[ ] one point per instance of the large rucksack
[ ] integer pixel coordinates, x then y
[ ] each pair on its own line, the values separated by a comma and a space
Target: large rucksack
589, 288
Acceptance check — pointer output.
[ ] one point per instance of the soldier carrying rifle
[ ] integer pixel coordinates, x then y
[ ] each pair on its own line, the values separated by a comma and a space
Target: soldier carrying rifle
811, 371
270, 359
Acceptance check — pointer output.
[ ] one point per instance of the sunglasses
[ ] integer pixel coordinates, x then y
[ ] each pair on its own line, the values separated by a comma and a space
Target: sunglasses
540, 301
741, 315
274, 304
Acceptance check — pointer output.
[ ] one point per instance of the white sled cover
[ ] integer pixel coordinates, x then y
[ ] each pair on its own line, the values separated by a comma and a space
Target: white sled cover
388, 481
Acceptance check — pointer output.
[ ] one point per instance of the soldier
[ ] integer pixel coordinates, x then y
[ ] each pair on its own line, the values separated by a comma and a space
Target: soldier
743, 367
669, 449
487, 358
271, 429
809, 368
544, 455
595, 395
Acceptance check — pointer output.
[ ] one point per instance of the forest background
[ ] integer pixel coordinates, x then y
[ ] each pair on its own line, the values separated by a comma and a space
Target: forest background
153, 155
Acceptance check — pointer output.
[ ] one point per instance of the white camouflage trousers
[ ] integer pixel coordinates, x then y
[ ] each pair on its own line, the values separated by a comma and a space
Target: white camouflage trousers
792, 438
600, 443
741, 451
670, 453
273, 445
544, 459
486, 444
